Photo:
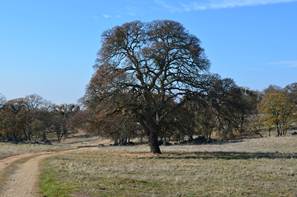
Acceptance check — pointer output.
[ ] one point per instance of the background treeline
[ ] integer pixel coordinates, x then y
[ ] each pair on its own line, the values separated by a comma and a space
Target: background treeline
227, 111
33, 119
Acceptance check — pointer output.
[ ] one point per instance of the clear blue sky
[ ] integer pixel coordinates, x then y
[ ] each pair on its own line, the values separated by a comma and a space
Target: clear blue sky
48, 47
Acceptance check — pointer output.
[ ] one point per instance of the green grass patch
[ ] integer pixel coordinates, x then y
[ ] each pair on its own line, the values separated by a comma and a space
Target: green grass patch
51, 183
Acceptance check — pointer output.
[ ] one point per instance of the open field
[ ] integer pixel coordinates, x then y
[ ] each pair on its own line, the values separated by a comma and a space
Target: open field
10, 149
248, 168
156, 98
268, 144
7, 149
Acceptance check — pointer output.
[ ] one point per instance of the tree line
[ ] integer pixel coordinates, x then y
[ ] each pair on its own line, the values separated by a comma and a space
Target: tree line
152, 82
32, 119
226, 112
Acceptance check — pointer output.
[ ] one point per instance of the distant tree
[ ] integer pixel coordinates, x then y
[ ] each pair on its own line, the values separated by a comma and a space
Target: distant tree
221, 100
277, 110
227, 107
2, 100
179, 124
19, 117
33, 104
273, 88
120, 128
43, 122
31, 118
63, 115
13, 120
79, 121
2, 104
291, 90
206, 119
153, 63
244, 105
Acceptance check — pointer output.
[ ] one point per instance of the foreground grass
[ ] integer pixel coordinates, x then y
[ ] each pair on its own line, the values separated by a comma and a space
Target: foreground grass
52, 187
122, 172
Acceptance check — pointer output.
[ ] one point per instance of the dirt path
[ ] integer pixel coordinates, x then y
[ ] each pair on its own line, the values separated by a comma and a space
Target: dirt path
24, 181
9, 160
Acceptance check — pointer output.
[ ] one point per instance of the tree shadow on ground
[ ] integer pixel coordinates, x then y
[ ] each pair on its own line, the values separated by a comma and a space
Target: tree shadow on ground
202, 141
227, 155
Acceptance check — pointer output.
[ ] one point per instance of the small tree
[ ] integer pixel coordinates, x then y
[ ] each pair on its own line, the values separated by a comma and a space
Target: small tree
292, 93
63, 115
277, 110
13, 120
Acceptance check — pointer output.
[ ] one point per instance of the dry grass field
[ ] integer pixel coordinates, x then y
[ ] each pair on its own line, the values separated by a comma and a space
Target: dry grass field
7, 149
255, 167
10, 149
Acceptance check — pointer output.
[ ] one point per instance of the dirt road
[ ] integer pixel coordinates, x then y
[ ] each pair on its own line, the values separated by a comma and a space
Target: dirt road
24, 181
9, 160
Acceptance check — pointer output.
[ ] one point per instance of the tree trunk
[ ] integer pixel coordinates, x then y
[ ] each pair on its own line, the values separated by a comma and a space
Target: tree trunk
26, 135
141, 139
44, 136
277, 130
151, 130
153, 142
191, 138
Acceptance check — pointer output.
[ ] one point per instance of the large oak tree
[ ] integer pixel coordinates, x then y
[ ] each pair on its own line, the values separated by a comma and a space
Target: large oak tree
142, 68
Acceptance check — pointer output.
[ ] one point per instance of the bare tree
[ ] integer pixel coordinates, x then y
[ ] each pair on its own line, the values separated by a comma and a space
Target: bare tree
64, 113
148, 65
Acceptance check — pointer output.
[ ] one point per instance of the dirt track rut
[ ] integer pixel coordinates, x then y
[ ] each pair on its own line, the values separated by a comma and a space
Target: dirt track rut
24, 181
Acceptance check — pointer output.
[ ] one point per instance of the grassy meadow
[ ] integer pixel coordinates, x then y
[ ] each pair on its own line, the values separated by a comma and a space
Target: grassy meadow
255, 167
73, 142
8, 149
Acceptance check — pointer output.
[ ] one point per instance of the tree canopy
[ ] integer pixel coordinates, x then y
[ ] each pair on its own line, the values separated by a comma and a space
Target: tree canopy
144, 67
277, 110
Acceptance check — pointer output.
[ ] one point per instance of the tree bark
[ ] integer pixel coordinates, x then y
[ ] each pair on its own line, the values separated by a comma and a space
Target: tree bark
278, 130
154, 142
151, 130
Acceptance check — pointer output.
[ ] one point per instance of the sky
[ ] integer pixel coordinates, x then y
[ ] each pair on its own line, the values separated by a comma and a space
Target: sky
48, 47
